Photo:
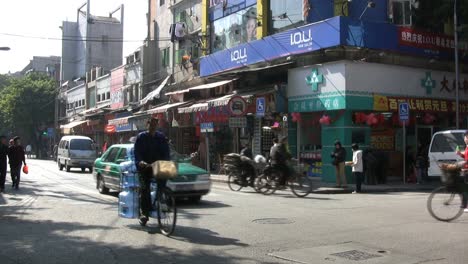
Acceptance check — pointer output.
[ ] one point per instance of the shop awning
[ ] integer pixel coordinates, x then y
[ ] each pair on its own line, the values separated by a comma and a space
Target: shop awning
164, 108
119, 121
203, 86
194, 108
94, 110
66, 129
73, 124
222, 101
155, 93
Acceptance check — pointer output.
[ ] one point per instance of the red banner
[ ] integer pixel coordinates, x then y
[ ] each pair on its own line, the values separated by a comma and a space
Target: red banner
424, 40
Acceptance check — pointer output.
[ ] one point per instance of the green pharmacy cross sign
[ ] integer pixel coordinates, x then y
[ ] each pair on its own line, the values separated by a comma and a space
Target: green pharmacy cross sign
428, 83
314, 79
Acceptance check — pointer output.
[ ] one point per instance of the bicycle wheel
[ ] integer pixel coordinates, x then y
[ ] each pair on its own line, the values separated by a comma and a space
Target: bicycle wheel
300, 185
261, 184
167, 211
444, 205
272, 183
234, 183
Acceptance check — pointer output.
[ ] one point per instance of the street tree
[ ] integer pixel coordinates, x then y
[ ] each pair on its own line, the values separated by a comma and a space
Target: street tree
433, 14
27, 107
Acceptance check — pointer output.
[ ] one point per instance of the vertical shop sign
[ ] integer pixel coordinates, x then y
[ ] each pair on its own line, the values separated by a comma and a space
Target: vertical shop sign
116, 93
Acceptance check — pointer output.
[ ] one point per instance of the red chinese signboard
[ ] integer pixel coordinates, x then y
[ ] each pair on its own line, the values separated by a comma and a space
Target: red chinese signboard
116, 89
426, 105
424, 40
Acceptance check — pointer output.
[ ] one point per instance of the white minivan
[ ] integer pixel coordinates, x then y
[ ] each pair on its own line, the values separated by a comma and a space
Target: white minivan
76, 152
442, 149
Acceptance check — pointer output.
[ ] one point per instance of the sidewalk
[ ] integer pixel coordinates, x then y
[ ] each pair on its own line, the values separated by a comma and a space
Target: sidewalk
329, 188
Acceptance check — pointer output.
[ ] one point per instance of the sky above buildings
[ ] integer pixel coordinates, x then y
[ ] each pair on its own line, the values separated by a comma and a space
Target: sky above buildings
38, 20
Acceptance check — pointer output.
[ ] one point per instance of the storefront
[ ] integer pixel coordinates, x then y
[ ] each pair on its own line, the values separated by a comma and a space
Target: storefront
357, 103
122, 130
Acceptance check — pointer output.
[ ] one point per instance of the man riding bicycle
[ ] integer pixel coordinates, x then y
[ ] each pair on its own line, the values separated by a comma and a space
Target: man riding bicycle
464, 155
150, 146
280, 155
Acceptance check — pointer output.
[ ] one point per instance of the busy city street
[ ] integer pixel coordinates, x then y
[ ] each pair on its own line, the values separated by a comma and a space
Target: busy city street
59, 217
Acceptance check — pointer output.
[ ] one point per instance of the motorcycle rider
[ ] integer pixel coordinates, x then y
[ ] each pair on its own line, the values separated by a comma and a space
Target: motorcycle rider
279, 155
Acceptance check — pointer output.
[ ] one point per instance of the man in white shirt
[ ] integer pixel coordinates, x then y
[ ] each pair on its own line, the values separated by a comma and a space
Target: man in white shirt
357, 166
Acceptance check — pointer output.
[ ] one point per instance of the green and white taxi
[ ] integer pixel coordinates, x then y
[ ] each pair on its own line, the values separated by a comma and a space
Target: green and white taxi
192, 182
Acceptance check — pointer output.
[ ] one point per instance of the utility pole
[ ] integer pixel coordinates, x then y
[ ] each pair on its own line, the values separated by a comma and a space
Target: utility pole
457, 73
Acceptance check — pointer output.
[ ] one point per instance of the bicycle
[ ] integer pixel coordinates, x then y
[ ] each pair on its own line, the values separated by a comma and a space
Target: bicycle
165, 209
298, 182
236, 182
445, 203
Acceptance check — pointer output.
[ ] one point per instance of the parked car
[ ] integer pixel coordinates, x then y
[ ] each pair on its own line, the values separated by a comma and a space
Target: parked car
192, 182
76, 152
442, 149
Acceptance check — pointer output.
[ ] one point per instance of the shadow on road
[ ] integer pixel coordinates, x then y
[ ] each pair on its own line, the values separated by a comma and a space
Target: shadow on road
203, 236
203, 204
36, 241
28, 188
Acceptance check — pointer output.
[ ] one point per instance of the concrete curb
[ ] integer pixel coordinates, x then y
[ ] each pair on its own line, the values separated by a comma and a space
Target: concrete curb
324, 189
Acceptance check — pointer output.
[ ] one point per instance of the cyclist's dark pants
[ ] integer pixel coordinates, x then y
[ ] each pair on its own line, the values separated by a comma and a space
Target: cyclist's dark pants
284, 172
145, 191
465, 199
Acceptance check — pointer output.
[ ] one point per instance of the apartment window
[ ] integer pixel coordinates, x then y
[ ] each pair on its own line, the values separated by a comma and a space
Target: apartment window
401, 12
137, 92
234, 29
99, 98
108, 95
165, 57
285, 15
181, 16
161, 2
83, 102
195, 51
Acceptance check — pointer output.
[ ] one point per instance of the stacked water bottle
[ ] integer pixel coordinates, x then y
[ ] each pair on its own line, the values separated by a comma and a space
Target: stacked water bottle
129, 201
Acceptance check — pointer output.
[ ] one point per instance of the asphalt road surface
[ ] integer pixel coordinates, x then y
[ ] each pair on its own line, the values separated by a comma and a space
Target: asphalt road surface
59, 217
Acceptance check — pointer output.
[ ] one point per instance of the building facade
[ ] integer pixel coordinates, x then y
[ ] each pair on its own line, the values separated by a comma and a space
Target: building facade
91, 41
47, 65
349, 64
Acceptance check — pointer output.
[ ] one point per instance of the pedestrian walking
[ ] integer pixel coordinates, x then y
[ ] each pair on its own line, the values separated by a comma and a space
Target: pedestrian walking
104, 147
421, 166
370, 167
28, 151
150, 146
16, 159
339, 156
3, 162
357, 167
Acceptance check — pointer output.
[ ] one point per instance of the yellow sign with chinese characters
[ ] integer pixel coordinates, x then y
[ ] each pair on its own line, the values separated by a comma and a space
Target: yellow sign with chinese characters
380, 103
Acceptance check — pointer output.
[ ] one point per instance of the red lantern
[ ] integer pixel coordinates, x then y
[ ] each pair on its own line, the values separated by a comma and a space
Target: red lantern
428, 119
361, 118
325, 120
370, 119
381, 119
296, 117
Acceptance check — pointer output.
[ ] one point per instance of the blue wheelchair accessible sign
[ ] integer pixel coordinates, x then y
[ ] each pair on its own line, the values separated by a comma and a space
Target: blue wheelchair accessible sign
403, 111
260, 106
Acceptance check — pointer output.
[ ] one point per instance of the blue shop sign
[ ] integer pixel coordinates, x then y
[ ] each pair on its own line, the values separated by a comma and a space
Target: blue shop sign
294, 41
125, 125
333, 32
